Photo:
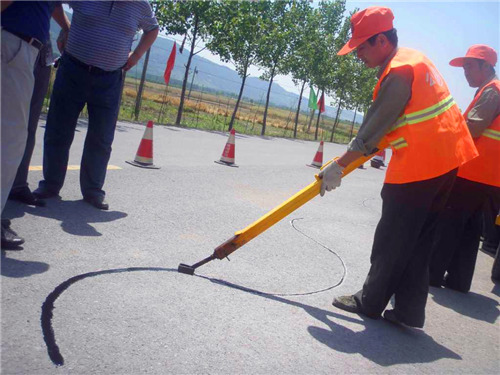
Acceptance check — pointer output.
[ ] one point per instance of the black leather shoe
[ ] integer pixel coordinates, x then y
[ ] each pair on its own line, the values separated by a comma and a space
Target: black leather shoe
10, 239
42, 193
25, 196
97, 201
490, 249
390, 315
436, 283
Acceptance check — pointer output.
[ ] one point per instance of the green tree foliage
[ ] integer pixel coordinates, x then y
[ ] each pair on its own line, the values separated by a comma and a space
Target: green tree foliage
298, 63
342, 83
325, 62
280, 29
236, 36
187, 18
282, 37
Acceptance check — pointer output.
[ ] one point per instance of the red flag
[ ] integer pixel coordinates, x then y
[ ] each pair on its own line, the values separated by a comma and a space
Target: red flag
170, 65
321, 103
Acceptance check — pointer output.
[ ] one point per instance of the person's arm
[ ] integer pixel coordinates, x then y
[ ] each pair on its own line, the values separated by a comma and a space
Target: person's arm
5, 4
63, 21
395, 91
484, 112
145, 43
60, 17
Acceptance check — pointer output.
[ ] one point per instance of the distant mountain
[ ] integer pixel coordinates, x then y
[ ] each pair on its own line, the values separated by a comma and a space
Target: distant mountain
214, 77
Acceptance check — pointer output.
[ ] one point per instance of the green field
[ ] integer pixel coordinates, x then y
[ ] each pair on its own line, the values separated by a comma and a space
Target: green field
209, 111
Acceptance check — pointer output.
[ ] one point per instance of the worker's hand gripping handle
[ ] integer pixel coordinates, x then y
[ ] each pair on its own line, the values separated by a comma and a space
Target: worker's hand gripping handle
272, 217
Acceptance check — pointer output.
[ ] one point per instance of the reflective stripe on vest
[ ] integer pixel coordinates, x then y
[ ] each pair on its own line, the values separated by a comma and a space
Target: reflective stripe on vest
424, 114
431, 137
399, 143
485, 169
493, 134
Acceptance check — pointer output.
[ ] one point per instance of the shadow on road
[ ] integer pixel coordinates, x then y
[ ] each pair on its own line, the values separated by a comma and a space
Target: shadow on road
20, 268
381, 342
75, 216
471, 304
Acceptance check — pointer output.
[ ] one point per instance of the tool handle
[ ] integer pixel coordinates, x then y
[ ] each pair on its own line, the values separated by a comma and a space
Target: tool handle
272, 217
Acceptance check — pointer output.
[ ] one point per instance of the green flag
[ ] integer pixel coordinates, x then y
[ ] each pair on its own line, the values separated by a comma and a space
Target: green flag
313, 100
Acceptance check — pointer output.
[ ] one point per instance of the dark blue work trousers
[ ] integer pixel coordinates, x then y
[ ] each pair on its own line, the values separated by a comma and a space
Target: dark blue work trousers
76, 85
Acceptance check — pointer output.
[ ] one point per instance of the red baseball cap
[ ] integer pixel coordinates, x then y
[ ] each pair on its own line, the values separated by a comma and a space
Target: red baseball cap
477, 51
365, 24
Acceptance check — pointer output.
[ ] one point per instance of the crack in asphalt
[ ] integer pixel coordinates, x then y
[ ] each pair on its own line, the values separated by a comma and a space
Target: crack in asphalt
48, 305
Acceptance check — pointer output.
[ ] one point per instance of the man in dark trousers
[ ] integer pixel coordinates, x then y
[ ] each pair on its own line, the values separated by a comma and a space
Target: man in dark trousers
414, 112
478, 181
97, 52
25, 30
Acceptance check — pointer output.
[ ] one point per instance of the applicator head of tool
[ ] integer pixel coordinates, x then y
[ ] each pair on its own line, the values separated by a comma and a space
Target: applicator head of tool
184, 268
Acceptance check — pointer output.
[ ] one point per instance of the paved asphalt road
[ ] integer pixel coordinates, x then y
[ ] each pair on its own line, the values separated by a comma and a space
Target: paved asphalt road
99, 292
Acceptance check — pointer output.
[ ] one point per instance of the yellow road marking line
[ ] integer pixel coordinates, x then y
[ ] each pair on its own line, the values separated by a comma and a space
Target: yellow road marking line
70, 167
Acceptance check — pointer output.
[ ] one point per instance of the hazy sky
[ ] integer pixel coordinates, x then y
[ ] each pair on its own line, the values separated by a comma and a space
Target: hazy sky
441, 30
444, 30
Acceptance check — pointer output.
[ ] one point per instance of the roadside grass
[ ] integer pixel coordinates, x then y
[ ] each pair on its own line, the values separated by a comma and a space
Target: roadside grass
209, 111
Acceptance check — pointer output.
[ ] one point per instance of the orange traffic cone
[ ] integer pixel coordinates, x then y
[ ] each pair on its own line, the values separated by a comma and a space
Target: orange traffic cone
227, 157
318, 158
144, 156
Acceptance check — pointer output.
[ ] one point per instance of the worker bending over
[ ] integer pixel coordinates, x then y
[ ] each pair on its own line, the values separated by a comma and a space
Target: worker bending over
413, 110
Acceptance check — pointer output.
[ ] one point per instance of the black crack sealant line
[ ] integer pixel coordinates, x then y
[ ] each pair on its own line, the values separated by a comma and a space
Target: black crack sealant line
48, 306
269, 294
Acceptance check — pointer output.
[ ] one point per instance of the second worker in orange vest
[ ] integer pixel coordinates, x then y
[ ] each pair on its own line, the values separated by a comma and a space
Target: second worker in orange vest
478, 181
413, 110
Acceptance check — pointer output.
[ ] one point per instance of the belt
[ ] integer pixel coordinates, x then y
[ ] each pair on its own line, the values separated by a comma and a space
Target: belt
31, 41
88, 68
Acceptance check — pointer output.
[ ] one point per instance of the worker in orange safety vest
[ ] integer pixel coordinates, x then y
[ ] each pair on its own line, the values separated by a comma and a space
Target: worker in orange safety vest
413, 110
478, 181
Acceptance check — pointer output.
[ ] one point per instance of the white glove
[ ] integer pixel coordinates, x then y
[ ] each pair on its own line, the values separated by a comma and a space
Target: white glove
330, 177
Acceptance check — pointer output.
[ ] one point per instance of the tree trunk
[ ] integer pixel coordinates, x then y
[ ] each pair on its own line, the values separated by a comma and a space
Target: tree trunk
336, 118
233, 117
298, 110
264, 119
310, 120
317, 121
141, 86
186, 74
353, 122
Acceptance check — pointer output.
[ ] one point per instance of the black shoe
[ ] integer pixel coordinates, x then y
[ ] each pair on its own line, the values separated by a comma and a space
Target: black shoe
25, 196
390, 316
489, 248
43, 193
449, 285
347, 303
436, 284
10, 239
97, 201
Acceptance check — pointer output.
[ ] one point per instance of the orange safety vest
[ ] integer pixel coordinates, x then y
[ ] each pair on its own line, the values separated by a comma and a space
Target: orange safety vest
431, 137
486, 167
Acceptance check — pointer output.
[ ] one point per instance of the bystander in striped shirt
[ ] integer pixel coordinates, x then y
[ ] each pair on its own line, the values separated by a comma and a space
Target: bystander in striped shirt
102, 32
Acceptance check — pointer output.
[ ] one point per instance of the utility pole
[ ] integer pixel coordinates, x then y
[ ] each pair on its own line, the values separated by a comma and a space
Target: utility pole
192, 79
141, 86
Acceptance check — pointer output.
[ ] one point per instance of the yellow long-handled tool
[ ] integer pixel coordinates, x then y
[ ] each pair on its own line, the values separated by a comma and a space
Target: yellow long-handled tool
272, 217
